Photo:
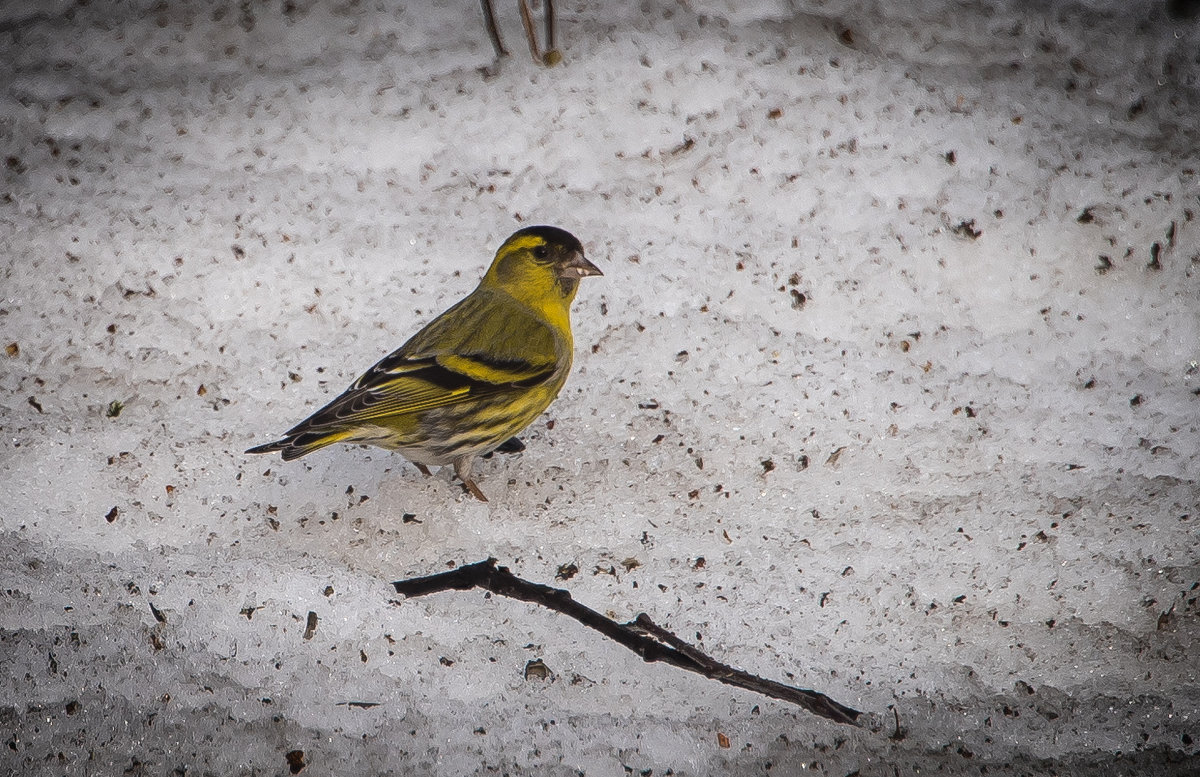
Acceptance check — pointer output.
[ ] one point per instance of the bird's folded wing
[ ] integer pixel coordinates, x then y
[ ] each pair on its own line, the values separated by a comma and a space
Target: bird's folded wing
487, 337
476, 348
418, 388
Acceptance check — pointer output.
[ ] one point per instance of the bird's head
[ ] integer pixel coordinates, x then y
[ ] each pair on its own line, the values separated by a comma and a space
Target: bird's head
540, 266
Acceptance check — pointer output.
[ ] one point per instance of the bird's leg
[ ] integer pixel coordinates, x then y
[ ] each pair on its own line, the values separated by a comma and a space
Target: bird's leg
424, 470
469, 485
462, 468
489, 20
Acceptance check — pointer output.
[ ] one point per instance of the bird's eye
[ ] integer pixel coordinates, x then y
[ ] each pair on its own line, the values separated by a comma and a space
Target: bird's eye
541, 252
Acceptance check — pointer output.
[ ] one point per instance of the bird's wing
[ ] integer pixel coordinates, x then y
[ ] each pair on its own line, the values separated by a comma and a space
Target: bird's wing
485, 344
488, 337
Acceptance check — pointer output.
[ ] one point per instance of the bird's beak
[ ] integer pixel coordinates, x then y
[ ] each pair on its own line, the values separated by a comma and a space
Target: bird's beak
578, 267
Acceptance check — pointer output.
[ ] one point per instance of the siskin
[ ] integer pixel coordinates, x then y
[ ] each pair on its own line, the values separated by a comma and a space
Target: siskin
474, 376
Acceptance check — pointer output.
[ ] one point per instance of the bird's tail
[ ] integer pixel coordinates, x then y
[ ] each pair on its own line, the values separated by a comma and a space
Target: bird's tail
296, 445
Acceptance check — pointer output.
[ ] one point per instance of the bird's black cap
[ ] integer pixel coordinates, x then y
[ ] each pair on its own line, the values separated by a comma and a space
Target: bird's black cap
552, 235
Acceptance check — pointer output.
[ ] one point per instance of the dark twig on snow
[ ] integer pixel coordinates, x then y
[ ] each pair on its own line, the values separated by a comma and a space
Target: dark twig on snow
642, 635
551, 56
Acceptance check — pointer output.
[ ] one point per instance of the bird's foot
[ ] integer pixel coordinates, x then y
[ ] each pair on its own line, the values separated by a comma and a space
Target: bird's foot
511, 445
471, 488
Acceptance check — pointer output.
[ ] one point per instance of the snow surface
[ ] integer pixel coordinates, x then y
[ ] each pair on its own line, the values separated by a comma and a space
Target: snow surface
855, 347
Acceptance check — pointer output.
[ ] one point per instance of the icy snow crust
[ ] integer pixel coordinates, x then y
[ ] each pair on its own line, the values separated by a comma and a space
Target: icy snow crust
855, 347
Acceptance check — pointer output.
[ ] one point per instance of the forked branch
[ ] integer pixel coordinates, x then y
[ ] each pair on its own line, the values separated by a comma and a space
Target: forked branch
642, 635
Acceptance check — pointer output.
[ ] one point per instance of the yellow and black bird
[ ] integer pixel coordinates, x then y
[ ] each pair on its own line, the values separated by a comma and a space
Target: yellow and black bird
474, 376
